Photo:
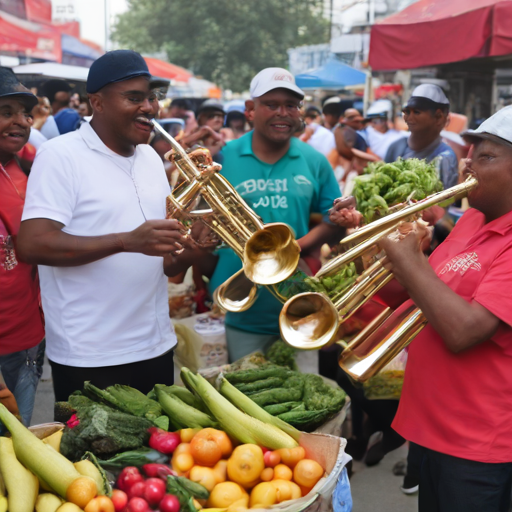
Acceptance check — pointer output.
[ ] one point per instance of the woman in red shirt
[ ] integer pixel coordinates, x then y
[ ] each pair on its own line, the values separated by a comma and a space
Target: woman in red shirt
21, 324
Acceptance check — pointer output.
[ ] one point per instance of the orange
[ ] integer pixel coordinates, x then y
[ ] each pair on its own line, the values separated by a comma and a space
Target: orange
203, 476
182, 448
290, 456
205, 450
100, 504
307, 472
186, 434
221, 471
246, 464
283, 489
81, 491
225, 494
296, 491
282, 472
267, 474
220, 437
263, 494
182, 462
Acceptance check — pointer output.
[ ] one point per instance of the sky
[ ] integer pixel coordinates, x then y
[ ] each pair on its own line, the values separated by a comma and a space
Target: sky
91, 14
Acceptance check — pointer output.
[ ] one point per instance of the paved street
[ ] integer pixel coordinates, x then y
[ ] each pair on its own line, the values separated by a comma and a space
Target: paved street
374, 489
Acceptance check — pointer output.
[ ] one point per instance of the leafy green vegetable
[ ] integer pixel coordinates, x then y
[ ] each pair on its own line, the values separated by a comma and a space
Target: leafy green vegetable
282, 354
305, 420
129, 400
136, 458
319, 396
186, 491
335, 285
102, 430
252, 375
385, 185
276, 409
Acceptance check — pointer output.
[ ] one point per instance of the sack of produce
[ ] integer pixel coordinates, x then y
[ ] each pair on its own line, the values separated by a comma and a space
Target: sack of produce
387, 384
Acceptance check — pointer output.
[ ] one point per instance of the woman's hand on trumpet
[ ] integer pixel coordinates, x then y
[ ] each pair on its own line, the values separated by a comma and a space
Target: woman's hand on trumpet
405, 248
344, 213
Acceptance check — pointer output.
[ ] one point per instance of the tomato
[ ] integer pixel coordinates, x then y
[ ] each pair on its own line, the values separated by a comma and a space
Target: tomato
137, 505
128, 476
204, 476
272, 459
291, 456
282, 472
100, 504
205, 450
187, 434
267, 474
169, 503
136, 490
182, 462
119, 499
307, 472
154, 491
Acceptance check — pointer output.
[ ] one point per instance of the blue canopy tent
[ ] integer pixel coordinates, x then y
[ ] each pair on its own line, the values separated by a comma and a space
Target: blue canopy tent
333, 75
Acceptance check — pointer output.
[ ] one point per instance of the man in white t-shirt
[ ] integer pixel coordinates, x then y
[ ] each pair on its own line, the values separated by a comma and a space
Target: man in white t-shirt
316, 135
379, 135
94, 222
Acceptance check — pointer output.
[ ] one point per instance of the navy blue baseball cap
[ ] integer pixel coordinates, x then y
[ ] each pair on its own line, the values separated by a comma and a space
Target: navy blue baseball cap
117, 66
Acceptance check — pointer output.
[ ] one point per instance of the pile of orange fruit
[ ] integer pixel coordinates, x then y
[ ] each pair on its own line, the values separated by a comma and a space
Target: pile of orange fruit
245, 476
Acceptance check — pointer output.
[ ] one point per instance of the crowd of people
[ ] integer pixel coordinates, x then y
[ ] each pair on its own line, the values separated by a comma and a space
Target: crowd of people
86, 251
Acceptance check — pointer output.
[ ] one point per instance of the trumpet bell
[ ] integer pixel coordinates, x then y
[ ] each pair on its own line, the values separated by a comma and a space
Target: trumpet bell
237, 294
308, 321
271, 254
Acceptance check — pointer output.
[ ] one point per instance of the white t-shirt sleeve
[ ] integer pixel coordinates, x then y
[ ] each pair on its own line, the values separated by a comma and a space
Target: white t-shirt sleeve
52, 186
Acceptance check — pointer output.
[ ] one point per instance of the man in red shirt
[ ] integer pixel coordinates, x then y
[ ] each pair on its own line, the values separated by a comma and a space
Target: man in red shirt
21, 325
456, 398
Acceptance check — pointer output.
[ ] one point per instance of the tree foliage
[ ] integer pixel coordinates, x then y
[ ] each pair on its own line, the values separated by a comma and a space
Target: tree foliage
226, 41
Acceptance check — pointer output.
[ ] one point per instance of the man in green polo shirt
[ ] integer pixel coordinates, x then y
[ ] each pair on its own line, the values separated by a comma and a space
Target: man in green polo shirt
283, 180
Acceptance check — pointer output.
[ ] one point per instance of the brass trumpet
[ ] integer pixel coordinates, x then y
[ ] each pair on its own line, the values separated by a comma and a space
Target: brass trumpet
311, 320
269, 252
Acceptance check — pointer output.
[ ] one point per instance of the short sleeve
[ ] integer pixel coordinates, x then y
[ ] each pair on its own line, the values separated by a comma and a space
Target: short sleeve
51, 189
328, 189
494, 295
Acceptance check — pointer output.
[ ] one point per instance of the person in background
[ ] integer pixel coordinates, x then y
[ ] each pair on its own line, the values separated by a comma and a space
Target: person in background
21, 325
94, 221
332, 111
283, 180
84, 108
63, 119
179, 108
378, 133
426, 114
319, 137
211, 114
234, 126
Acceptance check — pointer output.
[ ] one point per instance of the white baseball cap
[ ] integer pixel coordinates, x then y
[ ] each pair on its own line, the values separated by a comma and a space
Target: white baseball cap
497, 128
380, 108
273, 78
427, 96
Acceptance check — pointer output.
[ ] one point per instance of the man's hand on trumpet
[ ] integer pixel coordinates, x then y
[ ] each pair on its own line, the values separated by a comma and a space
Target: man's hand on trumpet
405, 248
344, 213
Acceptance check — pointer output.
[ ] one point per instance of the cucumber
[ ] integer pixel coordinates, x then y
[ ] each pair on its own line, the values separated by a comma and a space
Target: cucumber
276, 409
260, 385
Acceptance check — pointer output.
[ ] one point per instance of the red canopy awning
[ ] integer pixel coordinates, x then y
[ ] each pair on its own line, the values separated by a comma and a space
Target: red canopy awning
33, 39
166, 70
432, 32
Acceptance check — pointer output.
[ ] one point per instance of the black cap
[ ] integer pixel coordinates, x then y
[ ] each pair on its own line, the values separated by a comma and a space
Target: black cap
117, 66
211, 104
10, 86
